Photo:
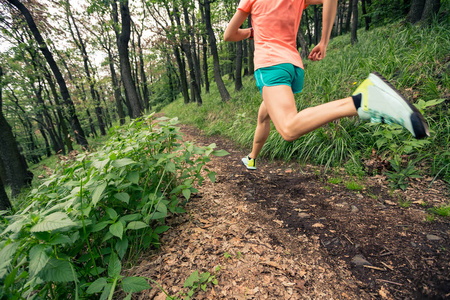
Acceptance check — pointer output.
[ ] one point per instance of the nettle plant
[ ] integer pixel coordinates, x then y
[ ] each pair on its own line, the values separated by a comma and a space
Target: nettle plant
87, 223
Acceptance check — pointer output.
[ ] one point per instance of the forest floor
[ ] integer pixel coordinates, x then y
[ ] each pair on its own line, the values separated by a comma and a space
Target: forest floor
285, 232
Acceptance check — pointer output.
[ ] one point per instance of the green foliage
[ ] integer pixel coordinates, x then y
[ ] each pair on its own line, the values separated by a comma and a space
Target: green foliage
354, 186
443, 210
399, 177
354, 166
81, 227
335, 180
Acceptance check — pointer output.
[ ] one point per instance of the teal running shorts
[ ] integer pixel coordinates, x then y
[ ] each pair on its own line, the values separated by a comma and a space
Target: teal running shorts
282, 74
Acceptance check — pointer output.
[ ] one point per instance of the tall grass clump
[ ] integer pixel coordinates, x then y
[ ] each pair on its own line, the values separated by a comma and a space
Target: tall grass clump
82, 227
413, 58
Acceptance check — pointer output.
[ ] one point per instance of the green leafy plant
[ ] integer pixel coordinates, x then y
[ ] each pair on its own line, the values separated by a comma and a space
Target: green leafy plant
83, 226
198, 281
399, 177
443, 210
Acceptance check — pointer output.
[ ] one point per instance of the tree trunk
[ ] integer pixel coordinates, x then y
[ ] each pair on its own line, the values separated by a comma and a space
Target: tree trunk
431, 9
116, 88
125, 67
301, 43
349, 15
416, 11
14, 164
76, 126
354, 37
317, 21
182, 69
145, 93
212, 43
364, 11
245, 56
4, 200
61, 119
205, 63
251, 50
238, 80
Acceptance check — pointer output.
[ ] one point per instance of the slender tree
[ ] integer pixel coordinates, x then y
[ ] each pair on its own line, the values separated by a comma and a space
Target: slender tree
213, 46
123, 38
354, 37
239, 58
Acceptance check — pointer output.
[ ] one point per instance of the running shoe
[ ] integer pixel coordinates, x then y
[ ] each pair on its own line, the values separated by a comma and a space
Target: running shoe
250, 163
382, 103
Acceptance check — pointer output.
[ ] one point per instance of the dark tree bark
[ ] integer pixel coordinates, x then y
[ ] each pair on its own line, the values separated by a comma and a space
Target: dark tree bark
308, 28
125, 67
354, 37
348, 16
14, 164
430, 10
238, 80
301, 43
364, 11
205, 50
212, 43
76, 126
251, 50
116, 88
4, 200
145, 92
416, 11
245, 56
317, 22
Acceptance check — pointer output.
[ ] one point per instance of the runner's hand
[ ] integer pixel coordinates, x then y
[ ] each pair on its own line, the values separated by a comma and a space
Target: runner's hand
318, 52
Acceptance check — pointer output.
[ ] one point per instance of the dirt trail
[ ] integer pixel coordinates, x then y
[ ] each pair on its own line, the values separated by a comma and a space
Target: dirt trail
285, 232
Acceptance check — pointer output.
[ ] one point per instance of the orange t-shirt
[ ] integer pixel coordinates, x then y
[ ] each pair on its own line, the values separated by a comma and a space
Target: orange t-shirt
275, 25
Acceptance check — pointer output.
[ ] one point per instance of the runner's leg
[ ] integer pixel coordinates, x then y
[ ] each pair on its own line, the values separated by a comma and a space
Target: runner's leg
280, 105
261, 132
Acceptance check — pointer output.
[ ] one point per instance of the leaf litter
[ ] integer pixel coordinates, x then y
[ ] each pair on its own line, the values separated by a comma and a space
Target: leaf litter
248, 224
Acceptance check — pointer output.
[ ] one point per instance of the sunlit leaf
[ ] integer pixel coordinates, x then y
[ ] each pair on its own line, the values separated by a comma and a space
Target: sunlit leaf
134, 284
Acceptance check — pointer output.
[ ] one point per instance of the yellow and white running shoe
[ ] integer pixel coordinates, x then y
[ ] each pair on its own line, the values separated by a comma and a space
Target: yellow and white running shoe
250, 163
382, 103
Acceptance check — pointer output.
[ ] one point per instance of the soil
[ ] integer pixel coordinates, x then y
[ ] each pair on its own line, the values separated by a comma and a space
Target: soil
285, 231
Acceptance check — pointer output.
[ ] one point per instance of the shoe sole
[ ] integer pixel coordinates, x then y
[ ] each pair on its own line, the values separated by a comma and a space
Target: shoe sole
418, 122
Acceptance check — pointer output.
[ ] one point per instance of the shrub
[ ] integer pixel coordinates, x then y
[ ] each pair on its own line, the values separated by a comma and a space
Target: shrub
92, 218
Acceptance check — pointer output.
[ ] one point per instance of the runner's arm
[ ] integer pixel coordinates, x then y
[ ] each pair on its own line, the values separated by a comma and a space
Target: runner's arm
328, 16
233, 33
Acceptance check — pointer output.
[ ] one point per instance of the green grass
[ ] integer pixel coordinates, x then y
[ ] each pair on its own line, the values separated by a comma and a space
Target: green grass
414, 59
354, 186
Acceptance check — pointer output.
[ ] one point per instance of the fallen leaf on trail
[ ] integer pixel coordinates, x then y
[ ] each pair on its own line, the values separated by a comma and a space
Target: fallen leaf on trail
279, 222
318, 225
300, 284
272, 264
